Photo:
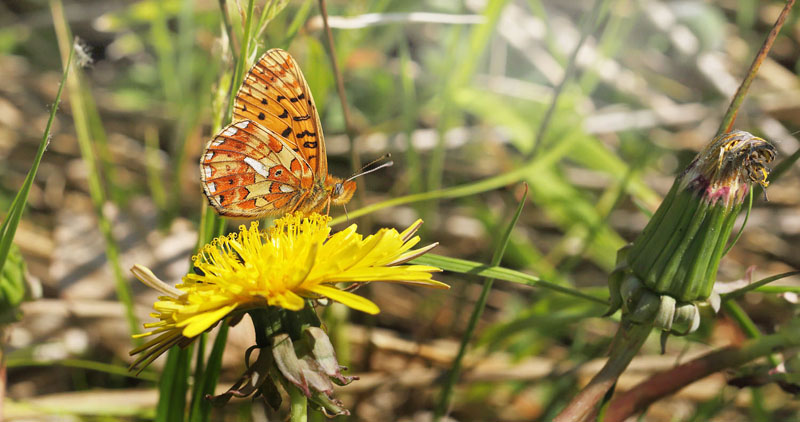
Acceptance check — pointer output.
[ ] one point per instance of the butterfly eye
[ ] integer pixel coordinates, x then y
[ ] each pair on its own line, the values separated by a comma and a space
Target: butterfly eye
338, 189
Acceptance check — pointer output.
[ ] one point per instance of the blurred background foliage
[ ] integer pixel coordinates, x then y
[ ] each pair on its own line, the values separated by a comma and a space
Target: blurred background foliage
457, 92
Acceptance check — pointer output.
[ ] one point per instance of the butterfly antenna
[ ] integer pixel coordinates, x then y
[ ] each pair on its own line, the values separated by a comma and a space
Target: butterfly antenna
363, 170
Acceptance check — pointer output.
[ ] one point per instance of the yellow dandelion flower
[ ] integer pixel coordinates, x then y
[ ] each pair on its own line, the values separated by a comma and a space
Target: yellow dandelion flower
295, 260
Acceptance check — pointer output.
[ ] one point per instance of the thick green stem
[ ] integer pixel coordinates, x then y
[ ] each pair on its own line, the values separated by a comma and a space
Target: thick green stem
626, 344
299, 405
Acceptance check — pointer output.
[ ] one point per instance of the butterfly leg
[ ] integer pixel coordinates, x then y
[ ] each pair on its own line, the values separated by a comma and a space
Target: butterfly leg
297, 204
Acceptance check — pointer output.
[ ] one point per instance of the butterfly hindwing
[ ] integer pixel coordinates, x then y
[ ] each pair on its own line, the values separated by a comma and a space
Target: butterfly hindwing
275, 94
248, 170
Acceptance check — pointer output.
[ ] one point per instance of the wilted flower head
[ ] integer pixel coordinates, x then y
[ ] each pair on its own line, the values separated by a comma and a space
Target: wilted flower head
726, 167
673, 263
295, 260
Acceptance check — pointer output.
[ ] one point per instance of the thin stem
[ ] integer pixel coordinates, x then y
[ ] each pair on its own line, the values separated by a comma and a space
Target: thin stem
477, 311
746, 324
485, 185
730, 116
668, 382
586, 30
96, 191
337, 73
629, 339
755, 285
9, 226
299, 405
81, 364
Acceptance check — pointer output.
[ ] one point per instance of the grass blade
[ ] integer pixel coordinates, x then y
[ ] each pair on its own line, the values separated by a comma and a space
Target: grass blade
11, 222
201, 408
463, 266
83, 131
477, 311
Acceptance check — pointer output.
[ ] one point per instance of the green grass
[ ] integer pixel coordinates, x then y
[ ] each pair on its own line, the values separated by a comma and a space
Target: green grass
174, 85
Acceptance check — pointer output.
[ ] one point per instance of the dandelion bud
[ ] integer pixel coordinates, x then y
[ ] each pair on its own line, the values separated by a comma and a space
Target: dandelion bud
673, 263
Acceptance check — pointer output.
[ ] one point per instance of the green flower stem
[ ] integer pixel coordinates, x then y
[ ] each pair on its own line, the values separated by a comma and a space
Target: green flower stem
299, 405
668, 382
453, 375
629, 339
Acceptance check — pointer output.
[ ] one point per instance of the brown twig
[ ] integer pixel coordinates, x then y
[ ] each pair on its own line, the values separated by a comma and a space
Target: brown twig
348, 122
730, 116
668, 382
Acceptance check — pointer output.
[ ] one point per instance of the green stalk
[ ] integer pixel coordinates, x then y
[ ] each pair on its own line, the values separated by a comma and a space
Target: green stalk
299, 404
626, 344
96, 191
413, 162
11, 222
173, 386
465, 68
241, 62
469, 189
747, 325
589, 25
207, 381
455, 370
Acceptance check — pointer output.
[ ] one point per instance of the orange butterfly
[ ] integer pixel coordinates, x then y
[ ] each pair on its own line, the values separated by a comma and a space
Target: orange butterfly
271, 160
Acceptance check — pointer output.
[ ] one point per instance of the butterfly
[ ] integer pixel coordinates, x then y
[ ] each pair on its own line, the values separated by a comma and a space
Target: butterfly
271, 160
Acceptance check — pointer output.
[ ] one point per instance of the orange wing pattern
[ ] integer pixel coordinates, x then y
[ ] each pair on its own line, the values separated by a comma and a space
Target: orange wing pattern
275, 94
248, 170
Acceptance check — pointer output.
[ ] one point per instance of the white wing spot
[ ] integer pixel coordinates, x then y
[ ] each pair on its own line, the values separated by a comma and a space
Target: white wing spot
209, 155
242, 125
216, 142
229, 131
286, 188
207, 171
257, 166
212, 187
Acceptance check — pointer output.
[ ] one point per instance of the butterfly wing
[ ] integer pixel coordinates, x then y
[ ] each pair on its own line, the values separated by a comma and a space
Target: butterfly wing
275, 94
248, 170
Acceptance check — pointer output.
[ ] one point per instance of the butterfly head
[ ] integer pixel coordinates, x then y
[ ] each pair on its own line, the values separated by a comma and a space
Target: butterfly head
341, 191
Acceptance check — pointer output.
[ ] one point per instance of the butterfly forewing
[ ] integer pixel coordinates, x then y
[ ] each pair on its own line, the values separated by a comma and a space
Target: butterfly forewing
275, 94
248, 170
